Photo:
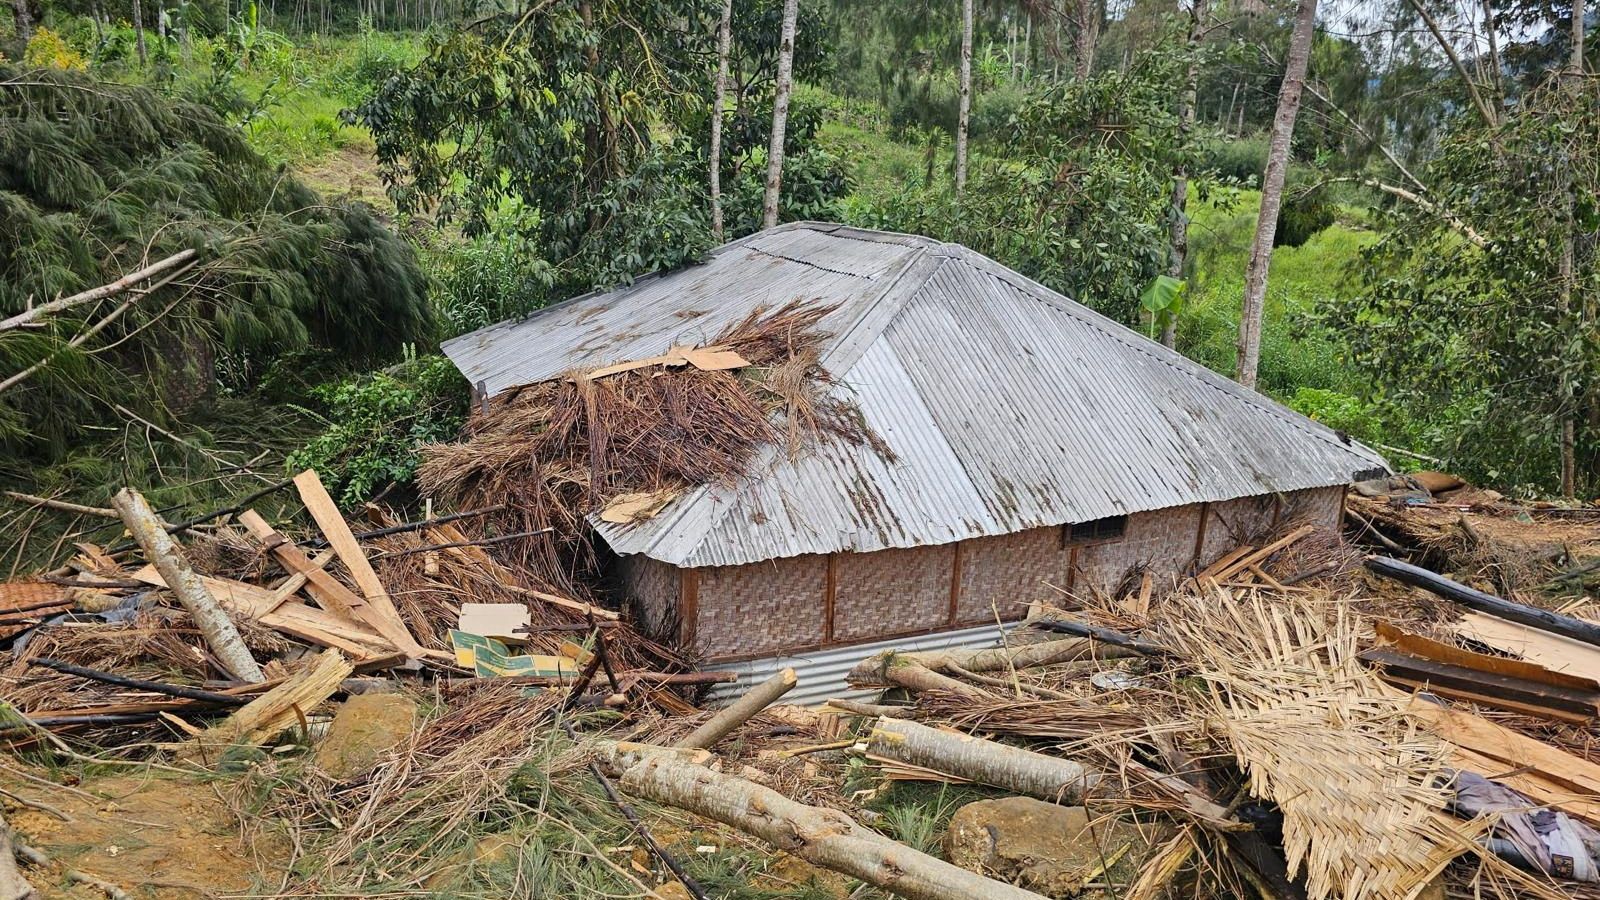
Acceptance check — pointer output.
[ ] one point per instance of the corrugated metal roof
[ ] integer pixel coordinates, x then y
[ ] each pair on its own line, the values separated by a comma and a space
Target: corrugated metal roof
1007, 405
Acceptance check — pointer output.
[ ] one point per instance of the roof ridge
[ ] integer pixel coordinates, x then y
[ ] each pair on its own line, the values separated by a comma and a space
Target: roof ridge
1168, 357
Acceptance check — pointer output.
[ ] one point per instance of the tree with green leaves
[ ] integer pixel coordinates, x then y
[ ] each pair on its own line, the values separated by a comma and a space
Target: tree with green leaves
98, 181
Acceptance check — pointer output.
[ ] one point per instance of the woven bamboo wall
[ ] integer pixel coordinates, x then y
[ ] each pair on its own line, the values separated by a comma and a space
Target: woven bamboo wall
1161, 543
1003, 574
651, 588
891, 592
763, 608
780, 606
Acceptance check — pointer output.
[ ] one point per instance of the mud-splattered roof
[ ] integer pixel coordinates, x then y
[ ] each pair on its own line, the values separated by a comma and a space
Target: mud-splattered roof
1007, 406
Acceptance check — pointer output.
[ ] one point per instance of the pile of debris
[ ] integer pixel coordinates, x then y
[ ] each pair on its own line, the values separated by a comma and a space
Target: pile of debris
1294, 721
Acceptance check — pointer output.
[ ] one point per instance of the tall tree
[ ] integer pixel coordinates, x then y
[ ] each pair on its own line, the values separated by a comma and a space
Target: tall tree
138, 30
780, 114
1255, 280
1180, 170
24, 20
965, 108
1086, 37
1571, 83
724, 41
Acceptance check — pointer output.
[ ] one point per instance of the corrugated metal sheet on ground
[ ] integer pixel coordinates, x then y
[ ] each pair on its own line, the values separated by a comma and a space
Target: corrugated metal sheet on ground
1007, 405
821, 673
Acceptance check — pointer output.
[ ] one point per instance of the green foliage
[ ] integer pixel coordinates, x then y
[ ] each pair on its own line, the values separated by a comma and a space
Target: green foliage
1077, 193
95, 178
1163, 300
1241, 159
376, 423
1490, 349
1306, 210
488, 279
1339, 411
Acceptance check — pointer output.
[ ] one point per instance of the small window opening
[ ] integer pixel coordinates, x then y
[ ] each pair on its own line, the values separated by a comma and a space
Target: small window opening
1096, 530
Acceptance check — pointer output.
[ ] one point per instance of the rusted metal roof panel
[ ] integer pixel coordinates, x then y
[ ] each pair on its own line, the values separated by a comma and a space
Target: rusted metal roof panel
1006, 405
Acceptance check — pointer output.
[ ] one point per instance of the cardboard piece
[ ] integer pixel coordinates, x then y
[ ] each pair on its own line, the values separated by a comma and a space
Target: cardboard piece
625, 509
507, 622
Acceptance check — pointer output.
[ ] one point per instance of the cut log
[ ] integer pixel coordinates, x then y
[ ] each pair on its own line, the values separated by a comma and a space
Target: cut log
1102, 635
891, 669
219, 631
1456, 592
732, 716
820, 836
976, 759
278, 709
385, 618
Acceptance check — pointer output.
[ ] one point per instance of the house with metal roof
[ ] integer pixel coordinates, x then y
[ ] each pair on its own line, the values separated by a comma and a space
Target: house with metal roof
1037, 447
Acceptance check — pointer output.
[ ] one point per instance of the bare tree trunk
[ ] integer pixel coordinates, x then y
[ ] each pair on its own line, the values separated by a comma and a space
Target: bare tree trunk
138, 30
19, 8
1180, 172
724, 42
823, 837
1255, 281
1571, 80
966, 94
1087, 37
208, 615
975, 759
1484, 109
780, 114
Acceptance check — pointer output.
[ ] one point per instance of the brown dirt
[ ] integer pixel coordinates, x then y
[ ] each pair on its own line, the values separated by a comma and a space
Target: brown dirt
156, 837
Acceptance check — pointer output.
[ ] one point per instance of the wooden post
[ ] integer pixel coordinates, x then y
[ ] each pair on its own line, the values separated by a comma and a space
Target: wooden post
208, 615
1456, 592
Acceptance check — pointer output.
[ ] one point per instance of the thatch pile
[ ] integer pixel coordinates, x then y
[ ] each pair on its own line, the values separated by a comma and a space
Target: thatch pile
557, 451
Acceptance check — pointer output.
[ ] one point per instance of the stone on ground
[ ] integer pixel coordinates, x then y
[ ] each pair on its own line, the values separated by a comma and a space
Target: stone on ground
1050, 849
365, 728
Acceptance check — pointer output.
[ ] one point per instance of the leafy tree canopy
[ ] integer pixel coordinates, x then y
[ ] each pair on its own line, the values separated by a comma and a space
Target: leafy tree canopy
97, 178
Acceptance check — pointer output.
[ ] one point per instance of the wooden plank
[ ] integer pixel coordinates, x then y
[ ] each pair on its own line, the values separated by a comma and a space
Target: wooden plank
1543, 790
1514, 748
292, 585
1553, 651
688, 607
1261, 556
296, 619
386, 619
1227, 560
1417, 645
276, 710
324, 588
1488, 689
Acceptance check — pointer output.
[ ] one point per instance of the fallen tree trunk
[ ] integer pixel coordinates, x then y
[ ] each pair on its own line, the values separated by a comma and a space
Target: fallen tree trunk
208, 615
820, 836
732, 716
891, 669
12, 885
1456, 592
984, 761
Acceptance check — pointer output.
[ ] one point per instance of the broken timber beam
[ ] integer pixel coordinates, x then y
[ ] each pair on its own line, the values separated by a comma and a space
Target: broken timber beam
221, 635
823, 837
1458, 593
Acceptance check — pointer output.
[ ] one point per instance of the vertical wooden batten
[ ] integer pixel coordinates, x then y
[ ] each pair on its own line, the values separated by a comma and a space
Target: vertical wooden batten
1200, 537
830, 591
955, 585
688, 606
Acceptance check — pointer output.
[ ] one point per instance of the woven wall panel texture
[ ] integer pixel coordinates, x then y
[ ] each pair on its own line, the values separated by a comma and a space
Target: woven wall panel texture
766, 607
892, 592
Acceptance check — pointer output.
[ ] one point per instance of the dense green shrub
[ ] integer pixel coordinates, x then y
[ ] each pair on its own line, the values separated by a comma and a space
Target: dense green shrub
1242, 159
377, 421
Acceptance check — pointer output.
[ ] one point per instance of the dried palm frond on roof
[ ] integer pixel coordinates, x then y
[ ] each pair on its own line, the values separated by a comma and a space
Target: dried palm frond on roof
556, 451
1362, 790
